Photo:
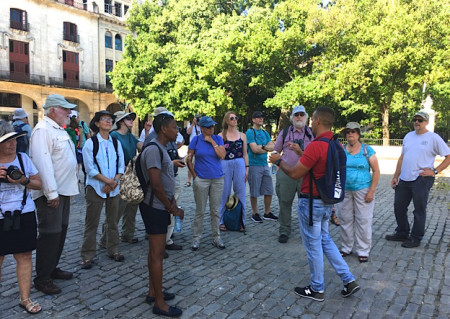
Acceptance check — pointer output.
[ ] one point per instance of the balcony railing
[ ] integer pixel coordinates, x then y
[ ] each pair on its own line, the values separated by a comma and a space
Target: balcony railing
20, 25
40, 79
80, 4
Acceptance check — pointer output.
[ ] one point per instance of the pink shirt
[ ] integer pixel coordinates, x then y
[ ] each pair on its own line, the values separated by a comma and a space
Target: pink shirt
289, 156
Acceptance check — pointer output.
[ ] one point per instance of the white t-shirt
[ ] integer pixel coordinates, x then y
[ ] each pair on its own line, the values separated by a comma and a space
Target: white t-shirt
11, 194
419, 151
195, 131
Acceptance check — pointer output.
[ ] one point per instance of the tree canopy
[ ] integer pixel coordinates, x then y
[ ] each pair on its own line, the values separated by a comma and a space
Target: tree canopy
368, 60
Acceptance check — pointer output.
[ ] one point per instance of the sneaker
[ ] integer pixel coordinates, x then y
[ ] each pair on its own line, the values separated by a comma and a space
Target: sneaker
396, 237
411, 243
270, 216
350, 289
219, 243
256, 218
283, 238
195, 245
307, 292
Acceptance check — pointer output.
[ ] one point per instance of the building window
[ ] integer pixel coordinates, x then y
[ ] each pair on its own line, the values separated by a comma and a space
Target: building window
108, 68
19, 61
118, 42
70, 32
118, 9
108, 6
125, 9
108, 40
10, 100
18, 19
71, 69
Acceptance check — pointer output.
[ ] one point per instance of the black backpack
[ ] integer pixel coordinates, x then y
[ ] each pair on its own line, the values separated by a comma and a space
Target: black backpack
22, 141
185, 135
331, 186
140, 173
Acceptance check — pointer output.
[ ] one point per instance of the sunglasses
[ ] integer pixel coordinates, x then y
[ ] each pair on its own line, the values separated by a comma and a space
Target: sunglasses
351, 131
300, 114
106, 119
208, 127
232, 118
128, 118
418, 120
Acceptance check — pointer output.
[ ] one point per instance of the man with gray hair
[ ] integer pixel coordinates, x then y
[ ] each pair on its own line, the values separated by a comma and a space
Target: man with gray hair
53, 154
414, 177
291, 142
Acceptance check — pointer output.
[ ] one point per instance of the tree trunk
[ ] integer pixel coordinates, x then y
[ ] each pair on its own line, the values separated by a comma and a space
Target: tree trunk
284, 121
385, 125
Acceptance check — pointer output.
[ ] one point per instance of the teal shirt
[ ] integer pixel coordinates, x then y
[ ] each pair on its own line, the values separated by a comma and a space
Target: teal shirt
260, 137
129, 144
358, 170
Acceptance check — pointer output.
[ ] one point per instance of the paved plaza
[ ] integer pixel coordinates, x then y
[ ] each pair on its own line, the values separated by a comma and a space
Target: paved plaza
255, 276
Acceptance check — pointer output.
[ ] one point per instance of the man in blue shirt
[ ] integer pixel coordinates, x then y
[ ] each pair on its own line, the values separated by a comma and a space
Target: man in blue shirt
259, 175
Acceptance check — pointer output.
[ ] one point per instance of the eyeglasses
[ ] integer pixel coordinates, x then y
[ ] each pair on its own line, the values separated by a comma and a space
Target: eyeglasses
300, 114
351, 131
232, 118
418, 120
106, 119
128, 118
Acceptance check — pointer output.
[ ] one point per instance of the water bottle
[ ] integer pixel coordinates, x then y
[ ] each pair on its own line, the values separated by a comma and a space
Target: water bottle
274, 167
178, 226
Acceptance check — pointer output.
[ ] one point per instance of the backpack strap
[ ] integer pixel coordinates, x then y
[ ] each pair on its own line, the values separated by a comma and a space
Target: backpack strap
115, 143
95, 152
140, 174
285, 132
24, 197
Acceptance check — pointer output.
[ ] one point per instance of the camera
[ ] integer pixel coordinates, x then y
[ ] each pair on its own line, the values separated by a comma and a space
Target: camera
197, 118
300, 143
13, 172
11, 221
173, 154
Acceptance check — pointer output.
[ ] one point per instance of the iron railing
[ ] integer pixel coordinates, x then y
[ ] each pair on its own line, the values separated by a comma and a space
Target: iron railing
80, 4
377, 141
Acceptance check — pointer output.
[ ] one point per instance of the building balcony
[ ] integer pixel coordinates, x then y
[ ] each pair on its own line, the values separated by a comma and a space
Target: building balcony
80, 4
41, 80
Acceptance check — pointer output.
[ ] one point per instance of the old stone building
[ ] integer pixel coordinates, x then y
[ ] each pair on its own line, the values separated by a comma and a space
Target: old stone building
59, 46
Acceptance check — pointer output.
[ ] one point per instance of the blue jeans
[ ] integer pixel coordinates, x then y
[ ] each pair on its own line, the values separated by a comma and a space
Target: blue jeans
317, 241
418, 191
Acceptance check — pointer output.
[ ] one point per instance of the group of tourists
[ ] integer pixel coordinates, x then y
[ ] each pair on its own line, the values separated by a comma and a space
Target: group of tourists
218, 165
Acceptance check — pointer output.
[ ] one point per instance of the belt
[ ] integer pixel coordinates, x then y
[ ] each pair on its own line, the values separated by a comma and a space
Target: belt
303, 195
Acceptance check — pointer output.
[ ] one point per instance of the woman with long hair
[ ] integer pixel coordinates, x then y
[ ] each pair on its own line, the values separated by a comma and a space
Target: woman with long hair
234, 165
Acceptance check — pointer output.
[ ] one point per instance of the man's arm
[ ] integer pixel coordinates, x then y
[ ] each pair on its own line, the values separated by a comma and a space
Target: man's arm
398, 169
439, 168
294, 172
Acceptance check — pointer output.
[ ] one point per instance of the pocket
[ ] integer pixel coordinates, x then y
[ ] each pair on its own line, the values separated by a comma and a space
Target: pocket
61, 143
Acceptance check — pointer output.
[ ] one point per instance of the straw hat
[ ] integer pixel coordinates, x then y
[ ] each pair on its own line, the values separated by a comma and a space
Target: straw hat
232, 202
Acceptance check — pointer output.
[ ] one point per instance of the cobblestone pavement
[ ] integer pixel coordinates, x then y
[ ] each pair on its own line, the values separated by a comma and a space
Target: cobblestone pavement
255, 276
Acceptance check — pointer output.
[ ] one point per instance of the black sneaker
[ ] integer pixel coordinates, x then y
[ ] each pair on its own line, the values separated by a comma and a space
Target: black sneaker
307, 292
396, 237
256, 218
283, 238
410, 243
350, 289
270, 216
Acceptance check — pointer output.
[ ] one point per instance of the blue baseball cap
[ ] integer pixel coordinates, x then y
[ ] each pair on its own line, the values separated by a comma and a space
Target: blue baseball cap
206, 121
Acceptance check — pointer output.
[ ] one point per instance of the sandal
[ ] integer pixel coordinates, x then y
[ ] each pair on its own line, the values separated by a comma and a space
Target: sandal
344, 254
30, 306
363, 259
187, 184
222, 227
334, 220
242, 229
117, 257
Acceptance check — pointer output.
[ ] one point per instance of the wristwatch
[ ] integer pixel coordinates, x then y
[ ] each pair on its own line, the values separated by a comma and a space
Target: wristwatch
435, 171
263, 147
277, 163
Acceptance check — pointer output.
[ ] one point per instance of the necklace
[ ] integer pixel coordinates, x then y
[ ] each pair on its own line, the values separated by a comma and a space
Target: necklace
354, 149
